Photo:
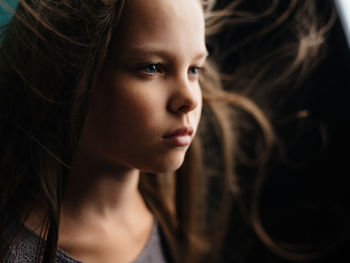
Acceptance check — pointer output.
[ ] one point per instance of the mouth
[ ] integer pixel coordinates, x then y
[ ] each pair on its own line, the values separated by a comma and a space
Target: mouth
179, 137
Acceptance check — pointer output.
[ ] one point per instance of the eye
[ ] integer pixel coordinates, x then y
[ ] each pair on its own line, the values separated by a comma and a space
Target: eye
194, 70
150, 69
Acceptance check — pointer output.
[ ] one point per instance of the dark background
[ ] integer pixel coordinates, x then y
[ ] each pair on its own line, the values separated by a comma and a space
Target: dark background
305, 198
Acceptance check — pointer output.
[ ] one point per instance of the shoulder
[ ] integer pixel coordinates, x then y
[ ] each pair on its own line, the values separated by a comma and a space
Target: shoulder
24, 249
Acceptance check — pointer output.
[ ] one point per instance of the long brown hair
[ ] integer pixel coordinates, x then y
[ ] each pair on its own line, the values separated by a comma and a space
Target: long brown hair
50, 54
267, 51
47, 49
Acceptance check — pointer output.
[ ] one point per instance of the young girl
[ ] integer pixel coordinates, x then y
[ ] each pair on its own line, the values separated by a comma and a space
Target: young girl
100, 105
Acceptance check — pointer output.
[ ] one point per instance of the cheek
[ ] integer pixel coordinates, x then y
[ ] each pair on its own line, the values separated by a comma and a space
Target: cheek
133, 106
136, 108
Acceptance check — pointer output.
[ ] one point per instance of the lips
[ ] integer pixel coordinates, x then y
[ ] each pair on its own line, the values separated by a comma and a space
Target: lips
179, 137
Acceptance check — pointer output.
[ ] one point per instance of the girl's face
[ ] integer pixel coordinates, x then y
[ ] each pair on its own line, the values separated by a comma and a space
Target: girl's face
147, 104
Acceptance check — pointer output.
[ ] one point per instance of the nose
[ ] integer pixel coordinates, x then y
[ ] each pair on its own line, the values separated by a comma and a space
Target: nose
185, 97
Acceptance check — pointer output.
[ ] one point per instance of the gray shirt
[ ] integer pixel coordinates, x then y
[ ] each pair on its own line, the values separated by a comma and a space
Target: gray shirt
24, 247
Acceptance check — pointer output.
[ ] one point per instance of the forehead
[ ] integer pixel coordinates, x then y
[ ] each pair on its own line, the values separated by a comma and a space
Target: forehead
173, 23
183, 10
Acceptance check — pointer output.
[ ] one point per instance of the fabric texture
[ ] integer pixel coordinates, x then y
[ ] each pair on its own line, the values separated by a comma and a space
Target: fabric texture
23, 249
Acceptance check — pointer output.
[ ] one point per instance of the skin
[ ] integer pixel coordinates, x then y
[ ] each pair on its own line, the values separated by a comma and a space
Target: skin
147, 88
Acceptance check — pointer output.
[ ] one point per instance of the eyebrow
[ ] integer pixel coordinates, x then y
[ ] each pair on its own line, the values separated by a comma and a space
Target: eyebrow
147, 51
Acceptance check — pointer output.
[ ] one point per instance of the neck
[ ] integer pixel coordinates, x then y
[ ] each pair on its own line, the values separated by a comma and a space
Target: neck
104, 213
101, 191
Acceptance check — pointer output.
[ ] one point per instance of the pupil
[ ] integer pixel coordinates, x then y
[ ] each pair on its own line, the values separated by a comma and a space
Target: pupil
152, 68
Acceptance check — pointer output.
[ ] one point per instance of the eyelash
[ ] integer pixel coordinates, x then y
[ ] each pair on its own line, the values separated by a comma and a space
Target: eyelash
153, 68
197, 68
156, 68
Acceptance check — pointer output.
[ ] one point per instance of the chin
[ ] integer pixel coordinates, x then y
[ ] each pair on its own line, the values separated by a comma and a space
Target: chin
166, 166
